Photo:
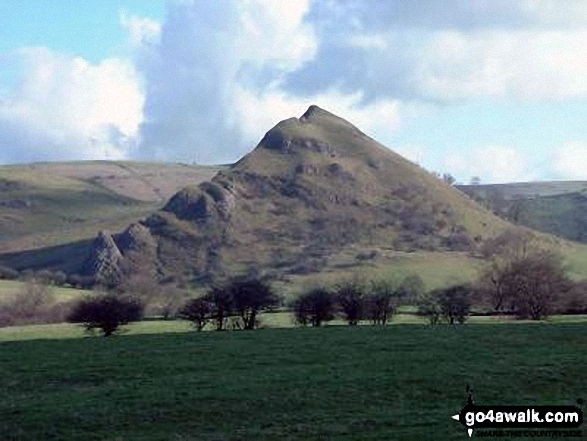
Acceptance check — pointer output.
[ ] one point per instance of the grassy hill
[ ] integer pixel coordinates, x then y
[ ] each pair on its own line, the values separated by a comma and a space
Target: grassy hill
313, 188
49, 204
367, 383
558, 208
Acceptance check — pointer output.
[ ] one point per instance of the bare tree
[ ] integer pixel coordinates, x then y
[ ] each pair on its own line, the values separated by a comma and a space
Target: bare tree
220, 298
314, 307
381, 301
523, 278
198, 311
575, 300
249, 297
455, 303
491, 287
106, 312
534, 283
350, 297
429, 307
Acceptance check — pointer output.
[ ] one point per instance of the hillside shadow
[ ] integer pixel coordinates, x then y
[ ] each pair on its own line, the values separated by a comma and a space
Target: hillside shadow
67, 257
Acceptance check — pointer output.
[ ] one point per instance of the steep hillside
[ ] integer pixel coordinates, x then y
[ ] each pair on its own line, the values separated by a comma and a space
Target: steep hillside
558, 208
314, 186
50, 204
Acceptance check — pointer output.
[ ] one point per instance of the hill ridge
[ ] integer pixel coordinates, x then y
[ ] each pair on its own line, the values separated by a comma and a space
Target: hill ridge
312, 187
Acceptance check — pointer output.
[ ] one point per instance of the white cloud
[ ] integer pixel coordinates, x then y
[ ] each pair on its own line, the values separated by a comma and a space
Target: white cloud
274, 32
529, 65
209, 52
365, 41
141, 30
448, 51
207, 83
67, 108
570, 161
493, 164
413, 152
260, 112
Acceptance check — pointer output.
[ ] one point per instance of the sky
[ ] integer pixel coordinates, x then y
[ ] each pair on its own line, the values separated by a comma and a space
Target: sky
489, 88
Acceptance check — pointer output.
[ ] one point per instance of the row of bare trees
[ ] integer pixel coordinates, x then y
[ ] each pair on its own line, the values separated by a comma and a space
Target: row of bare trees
238, 301
353, 301
521, 278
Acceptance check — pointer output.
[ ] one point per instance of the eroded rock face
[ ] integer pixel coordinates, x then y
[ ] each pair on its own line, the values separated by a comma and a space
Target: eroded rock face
209, 202
105, 262
137, 238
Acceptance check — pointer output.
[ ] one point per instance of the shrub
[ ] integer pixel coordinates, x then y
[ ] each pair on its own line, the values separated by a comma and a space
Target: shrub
314, 307
350, 298
534, 283
220, 299
458, 241
455, 303
528, 283
198, 311
366, 255
249, 297
106, 312
452, 304
575, 300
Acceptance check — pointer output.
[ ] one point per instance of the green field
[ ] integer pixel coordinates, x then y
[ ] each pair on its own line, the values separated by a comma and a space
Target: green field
272, 320
9, 288
396, 383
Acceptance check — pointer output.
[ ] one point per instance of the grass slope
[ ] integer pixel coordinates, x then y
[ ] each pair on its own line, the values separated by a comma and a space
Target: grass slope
9, 288
399, 383
313, 187
558, 208
525, 190
50, 204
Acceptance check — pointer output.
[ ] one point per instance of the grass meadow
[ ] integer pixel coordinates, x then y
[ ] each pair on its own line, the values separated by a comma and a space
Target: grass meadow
10, 288
401, 382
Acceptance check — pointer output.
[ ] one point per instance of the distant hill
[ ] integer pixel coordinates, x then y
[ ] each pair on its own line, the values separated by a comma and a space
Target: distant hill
49, 204
558, 208
313, 187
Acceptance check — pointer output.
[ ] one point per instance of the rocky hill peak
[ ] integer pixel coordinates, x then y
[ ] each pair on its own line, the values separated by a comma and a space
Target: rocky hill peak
313, 186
